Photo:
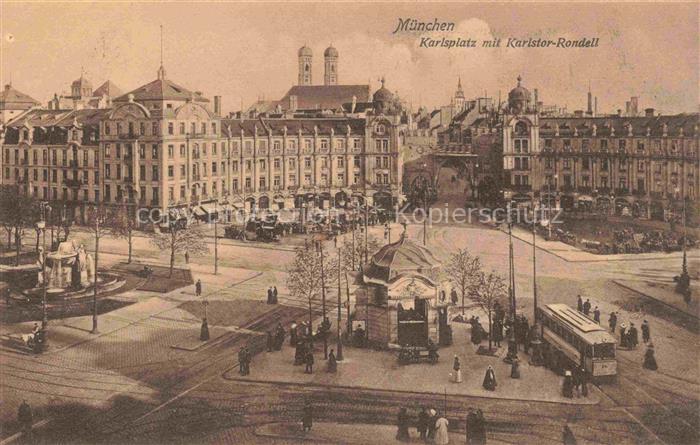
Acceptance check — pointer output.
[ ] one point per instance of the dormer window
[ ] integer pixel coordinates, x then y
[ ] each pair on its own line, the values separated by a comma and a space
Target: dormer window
521, 129
380, 129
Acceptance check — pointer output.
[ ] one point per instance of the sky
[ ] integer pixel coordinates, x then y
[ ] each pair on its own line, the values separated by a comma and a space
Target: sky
245, 51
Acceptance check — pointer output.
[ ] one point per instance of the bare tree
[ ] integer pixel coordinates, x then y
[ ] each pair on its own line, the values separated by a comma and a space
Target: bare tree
353, 255
19, 211
304, 276
124, 225
180, 239
490, 288
99, 223
464, 272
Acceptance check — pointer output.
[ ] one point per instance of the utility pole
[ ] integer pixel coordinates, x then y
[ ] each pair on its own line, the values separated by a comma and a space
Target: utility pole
512, 345
94, 287
347, 303
534, 259
339, 346
323, 299
354, 251
216, 239
426, 212
366, 232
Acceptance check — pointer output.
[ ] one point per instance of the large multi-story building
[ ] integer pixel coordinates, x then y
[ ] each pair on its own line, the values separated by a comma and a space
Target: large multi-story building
580, 160
13, 103
614, 161
164, 148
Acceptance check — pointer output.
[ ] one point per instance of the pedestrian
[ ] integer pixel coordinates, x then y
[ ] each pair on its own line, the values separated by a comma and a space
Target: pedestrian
456, 366
187, 257
307, 417
293, 334
443, 295
333, 363
402, 423
270, 341
567, 436
489, 379
198, 288
612, 321
432, 418
241, 361
274, 295
247, 360
442, 437
309, 361
576, 381
453, 296
587, 307
480, 428
471, 426
515, 369
422, 423
299, 353
497, 332
583, 380
279, 337
579, 304
269, 295
567, 388
649, 360
623, 335
25, 417
646, 335
633, 336
596, 315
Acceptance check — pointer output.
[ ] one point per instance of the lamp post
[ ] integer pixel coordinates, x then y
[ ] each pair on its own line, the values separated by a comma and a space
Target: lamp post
319, 248
512, 344
41, 225
216, 239
387, 232
339, 346
683, 285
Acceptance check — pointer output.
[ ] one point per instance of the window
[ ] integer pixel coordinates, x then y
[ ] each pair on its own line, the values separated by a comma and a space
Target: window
107, 131
585, 145
119, 171
154, 151
213, 128
182, 192
262, 182
640, 145
248, 165
171, 152
142, 172
356, 161
307, 179
171, 172
603, 145
604, 164
213, 148
307, 144
182, 172
276, 145
263, 165
171, 193
276, 181
566, 163
213, 168
182, 128
142, 151
234, 184
203, 127
324, 144
567, 144
108, 152
292, 163
276, 164
234, 166
622, 145
183, 150
586, 163
548, 163
356, 144
263, 144
307, 163
340, 144
154, 128
341, 162
108, 171
324, 162
640, 166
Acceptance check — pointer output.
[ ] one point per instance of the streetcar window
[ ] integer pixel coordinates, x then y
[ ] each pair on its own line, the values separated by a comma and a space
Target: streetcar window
604, 350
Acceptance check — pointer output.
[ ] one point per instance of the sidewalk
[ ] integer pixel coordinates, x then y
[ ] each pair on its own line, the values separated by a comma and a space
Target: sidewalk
664, 293
369, 369
350, 434
573, 254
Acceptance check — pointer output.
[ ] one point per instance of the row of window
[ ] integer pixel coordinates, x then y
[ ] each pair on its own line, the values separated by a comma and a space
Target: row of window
65, 157
622, 146
133, 129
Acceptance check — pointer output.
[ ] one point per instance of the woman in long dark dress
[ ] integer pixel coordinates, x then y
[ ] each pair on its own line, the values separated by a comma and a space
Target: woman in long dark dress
649, 359
403, 421
490, 379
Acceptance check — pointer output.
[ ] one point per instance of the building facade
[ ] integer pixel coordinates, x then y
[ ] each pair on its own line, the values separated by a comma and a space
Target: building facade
164, 148
638, 163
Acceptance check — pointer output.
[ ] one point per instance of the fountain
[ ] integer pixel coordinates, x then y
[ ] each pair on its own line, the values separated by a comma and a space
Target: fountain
70, 272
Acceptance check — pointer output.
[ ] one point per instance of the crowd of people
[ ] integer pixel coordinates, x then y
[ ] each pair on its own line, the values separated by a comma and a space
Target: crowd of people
432, 426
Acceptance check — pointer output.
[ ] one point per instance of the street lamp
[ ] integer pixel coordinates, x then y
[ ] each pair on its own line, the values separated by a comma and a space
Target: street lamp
339, 346
512, 344
41, 226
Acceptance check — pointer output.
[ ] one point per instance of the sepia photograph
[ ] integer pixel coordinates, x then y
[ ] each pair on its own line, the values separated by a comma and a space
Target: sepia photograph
351, 223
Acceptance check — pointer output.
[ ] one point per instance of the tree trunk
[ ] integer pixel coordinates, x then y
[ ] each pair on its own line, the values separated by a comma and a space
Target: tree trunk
18, 245
129, 260
172, 253
490, 330
463, 302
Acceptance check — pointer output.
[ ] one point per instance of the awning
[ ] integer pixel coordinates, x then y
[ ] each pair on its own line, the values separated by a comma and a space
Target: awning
278, 199
199, 211
585, 198
183, 213
210, 207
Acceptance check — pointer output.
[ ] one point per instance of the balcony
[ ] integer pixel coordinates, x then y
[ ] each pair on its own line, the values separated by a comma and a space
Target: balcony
73, 164
621, 192
73, 182
521, 188
127, 136
127, 157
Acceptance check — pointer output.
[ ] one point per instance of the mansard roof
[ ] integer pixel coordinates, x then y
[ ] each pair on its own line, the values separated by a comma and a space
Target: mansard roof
307, 126
162, 89
326, 97
12, 99
619, 126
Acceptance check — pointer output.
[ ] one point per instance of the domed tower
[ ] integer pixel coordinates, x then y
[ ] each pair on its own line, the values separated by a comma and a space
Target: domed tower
81, 87
305, 55
382, 100
330, 56
519, 99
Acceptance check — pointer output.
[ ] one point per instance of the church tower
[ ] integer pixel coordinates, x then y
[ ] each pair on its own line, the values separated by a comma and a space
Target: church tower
305, 56
330, 76
459, 97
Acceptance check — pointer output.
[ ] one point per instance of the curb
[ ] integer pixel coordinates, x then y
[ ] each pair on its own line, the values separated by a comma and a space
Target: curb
400, 391
670, 306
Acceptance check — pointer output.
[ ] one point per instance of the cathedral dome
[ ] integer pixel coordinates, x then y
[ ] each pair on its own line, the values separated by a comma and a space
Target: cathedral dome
519, 97
383, 94
305, 51
82, 83
330, 52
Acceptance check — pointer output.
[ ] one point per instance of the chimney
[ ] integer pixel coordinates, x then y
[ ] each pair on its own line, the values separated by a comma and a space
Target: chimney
649, 112
619, 112
578, 113
217, 105
634, 105
595, 106
628, 108
589, 110
536, 102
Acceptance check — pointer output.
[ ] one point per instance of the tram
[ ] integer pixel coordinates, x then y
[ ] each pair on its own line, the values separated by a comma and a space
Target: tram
580, 339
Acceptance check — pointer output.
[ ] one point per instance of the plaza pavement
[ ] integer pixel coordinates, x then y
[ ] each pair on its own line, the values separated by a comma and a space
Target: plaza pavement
371, 369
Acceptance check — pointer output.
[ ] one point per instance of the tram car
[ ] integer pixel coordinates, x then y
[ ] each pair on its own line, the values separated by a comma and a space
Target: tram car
580, 339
